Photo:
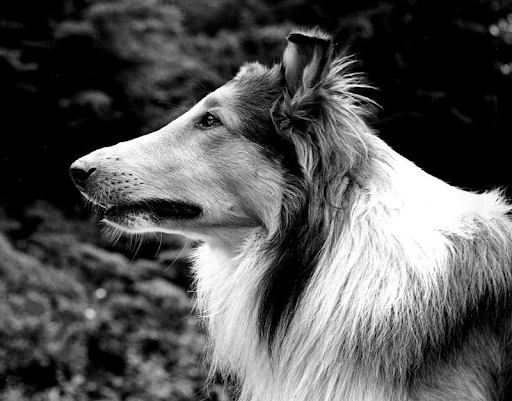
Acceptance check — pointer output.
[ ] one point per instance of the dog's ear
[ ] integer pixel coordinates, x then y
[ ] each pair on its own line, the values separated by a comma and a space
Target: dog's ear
304, 60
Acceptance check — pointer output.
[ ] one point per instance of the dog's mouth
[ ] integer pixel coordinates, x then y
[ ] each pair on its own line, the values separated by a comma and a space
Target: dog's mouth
153, 208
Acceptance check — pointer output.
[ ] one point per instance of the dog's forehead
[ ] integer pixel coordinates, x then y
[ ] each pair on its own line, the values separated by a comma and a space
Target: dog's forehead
223, 96
252, 86
251, 69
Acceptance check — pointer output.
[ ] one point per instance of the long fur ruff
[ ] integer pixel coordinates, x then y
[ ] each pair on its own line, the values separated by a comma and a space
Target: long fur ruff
375, 281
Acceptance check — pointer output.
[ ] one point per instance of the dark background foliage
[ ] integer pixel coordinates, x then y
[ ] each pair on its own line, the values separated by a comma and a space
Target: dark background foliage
84, 319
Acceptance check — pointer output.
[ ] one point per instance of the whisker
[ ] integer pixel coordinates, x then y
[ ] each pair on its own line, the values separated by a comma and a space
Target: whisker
159, 244
185, 246
139, 239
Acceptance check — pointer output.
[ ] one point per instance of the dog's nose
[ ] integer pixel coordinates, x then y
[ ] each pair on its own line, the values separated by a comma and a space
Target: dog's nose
80, 171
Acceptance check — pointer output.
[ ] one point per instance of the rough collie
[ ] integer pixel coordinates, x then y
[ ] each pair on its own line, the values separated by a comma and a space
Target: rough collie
331, 268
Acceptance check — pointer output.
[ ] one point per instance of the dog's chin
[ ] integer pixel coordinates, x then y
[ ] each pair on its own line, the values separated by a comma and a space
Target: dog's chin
148, 213
155, 209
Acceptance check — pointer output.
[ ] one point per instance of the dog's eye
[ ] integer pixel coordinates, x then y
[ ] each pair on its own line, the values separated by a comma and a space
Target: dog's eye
208, 121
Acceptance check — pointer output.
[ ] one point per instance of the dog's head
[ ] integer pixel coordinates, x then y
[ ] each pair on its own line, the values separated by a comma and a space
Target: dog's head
226, 164
205, 171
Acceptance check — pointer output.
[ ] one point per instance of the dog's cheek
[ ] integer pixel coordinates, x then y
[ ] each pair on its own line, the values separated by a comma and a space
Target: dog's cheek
258, 190
243, 186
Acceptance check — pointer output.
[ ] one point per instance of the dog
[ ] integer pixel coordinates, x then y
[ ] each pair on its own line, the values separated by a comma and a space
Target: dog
330, 267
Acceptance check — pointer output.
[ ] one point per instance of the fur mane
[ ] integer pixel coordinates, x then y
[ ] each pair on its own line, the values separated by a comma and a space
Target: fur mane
374, 271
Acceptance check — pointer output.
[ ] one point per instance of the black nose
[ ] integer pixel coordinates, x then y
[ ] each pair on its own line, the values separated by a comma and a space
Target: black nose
80, 171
